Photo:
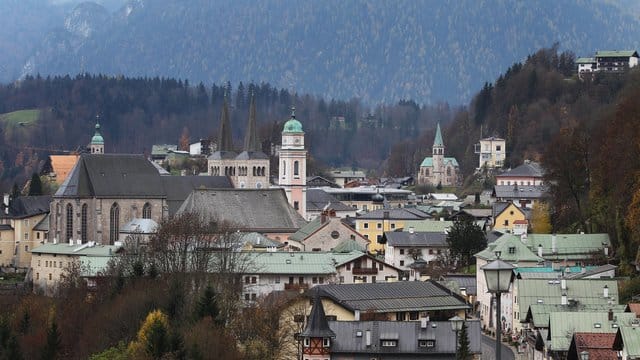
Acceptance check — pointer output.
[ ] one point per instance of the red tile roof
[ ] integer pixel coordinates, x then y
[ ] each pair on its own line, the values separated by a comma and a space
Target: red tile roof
635, 308
598, 345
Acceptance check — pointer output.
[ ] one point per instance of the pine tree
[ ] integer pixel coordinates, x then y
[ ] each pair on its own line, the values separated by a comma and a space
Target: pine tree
52, 346
207, 305
464, 353
35, 187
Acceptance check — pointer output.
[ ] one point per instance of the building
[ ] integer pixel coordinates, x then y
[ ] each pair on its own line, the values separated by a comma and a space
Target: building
265, 211
627, 341
437, 169
19, 220
509, 218
96, 146
586, 66
530, 173
616, 61
368, 198
105, 191
319, 201
160, 152
524, 196
325, 233
50, 261
343, 177
403, 248
373, 224
249, 169
492, 151
292, 175
201, 147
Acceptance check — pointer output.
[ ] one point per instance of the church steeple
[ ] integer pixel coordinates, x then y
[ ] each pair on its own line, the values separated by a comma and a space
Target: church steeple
437, 141
317, 334
97, 141
251, 142
224, 138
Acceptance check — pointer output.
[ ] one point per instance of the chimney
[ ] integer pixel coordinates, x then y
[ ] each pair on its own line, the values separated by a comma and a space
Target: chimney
605, 291
5, 202
539, 250
356, 315
610, 315
605, 248
411, 229
323, 217
563, 284
563, 299
70, 242
523, 237
367, 337
79, 242
55, 240
423, 323
554, 244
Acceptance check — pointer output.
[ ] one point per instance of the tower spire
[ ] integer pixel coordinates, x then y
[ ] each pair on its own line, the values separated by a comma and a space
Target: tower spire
251, 142
224, 137
318, 326
438, 139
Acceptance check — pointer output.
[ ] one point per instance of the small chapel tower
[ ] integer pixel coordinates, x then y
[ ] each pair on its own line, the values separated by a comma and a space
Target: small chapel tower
97, 141
316, 337
292, 174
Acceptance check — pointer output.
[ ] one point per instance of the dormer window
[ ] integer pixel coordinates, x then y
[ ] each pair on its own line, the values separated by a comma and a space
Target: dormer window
306, 342
426, 343
512, 250
389, 343
326, 342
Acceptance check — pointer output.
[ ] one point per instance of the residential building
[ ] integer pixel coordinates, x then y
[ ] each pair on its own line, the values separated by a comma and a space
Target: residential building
18, 219
368, 198
326, 232
343, 177
50, 261
586, 66
627, 341
509, 218
201, 147
403, 248
464, 284
597, 346
492, 151
437, 169
616, 61
522, 196
530, 173
319, 201
160, 152
372, 225
266, 272
292, 175
266, 211
250, 169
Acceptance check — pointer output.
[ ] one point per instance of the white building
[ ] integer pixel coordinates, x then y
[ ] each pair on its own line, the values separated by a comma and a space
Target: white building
492, 152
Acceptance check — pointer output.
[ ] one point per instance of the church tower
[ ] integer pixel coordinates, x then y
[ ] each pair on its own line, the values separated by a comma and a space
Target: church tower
438, 157
97, 141
317, 335
292, 174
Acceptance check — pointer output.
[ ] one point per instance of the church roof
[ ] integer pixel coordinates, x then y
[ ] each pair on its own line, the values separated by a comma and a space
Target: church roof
223, 155
251, 155
438, 139
251, 141
112, 176
97, 137
178, 188
292, 125
318, 326
260, 210
224, 137
428, 161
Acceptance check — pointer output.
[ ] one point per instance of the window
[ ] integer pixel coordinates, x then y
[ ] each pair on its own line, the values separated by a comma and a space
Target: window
413, 315
379, 239
314, 280
393, 226
61, 264
325, 342
26, 236
26, 248
380, 267
296, 168
373, 279
284, 167
69, 228
254, 297
50, 277
366, 225
335, 234
254, 280
37, 276
379, 225
83, 223
348, 266
146, 211
246, 297
37, 235
296, 205
498, 148
247, 279
306, 341
277, 280
389, 343
401, 262
401, 251
506, 223
38, 262
512, 250
114, 225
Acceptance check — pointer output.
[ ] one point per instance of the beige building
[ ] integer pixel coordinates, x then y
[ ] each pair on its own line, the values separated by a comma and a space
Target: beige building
491, 152
326, 233
19, 224
50, 262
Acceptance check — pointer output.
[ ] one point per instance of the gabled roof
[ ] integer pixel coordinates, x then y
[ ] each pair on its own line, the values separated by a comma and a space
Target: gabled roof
511, 250
499, 209
257, 241
527, 169
568, 246
520, 191
616, 53
318, 200
599, 346
27, 206
112, 176
347, 246
298, 262
538, 314
394, 214
260, 210
592, 271
416, 239
5, 227
586, 60
178, 188
465, 281
563, 323
223, 155
386, 297
428, 161
629, 337
408, 335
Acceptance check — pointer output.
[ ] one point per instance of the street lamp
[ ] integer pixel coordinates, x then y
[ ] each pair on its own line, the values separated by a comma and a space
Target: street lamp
456, 325
498, 275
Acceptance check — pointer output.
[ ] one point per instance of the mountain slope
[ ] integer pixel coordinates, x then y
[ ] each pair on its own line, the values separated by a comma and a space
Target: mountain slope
377, 51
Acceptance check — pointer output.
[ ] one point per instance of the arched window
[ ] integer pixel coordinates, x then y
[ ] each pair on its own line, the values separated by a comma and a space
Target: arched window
296, 168
146, 211
83, 223
284, 167
69, 228
114, 225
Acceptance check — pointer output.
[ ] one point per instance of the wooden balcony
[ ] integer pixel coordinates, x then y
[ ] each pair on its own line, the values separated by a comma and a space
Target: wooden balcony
365, 271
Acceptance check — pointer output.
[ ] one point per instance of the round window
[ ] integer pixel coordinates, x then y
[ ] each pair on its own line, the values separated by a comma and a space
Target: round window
335, 234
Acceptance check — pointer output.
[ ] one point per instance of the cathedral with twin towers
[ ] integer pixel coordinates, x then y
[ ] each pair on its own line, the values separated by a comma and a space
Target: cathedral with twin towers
250, 168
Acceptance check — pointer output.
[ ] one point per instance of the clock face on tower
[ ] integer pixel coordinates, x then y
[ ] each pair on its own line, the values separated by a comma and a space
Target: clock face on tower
297, 141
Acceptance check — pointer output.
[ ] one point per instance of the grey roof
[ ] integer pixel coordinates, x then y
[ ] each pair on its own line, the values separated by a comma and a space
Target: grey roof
141, 226
4, 227
112, 176
251, 155
257, 241
591, 272
350, 338
317, 327
260, 210
317, 200
520, 191
223, 155
318, 181
43, 225
465, 281
420, 239
178, 188
528, 168
385, 297
395, 214
27, 206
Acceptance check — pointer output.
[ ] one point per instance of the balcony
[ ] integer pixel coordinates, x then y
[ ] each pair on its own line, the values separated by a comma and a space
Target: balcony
296, 286
365, 271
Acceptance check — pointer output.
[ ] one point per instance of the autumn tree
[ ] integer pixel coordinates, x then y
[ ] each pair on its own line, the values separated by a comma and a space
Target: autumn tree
465, 238
540, 219
152, 340
184, 139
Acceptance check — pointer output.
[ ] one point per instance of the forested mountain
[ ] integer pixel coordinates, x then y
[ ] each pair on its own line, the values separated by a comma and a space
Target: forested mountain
429, 51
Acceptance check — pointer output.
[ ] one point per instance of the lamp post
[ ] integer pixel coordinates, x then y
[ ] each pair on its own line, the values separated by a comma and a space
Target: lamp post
456, 325
498, 275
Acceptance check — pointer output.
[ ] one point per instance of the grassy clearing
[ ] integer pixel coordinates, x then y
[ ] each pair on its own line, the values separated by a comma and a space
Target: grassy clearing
20, 117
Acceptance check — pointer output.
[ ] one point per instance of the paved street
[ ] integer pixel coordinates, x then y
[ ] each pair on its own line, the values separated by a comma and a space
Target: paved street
489, 349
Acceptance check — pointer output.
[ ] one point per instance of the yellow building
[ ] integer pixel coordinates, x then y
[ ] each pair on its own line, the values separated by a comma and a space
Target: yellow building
372, 225
509, 218
21, 231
